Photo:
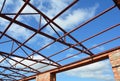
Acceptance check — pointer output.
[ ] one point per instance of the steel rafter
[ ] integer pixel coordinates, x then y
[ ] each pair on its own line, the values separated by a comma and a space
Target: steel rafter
9, 76
26, 2
89, 60
51, 21
2, 6
14, 72
63, 37
24, 46
37, 61
42, 33
17, 69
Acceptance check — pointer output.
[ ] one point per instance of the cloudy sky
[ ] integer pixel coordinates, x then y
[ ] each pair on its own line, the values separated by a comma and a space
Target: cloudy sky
79, 13
100, 71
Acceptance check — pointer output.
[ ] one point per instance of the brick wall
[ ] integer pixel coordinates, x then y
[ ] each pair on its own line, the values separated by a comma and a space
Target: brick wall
115, 62
46, 77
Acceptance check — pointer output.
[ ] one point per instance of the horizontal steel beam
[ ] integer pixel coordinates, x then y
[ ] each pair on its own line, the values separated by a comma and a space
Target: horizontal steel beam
80, 63
10, 75
41, 33
89, 52
18, 69
12, 21
83, 62
25, 58
30, 48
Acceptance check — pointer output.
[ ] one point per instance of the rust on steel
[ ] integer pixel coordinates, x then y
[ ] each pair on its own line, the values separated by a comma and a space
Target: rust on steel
12, 21
62, 38
80, 63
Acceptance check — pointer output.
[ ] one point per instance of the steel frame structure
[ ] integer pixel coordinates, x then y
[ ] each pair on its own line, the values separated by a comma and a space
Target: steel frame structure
95, 58
16, 73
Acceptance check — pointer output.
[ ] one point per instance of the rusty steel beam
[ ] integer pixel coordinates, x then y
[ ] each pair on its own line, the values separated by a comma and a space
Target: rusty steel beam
88, 52
114, 26
90, 48
60, 37
30, 49
10, 75
2, 6
5, 69
17, 69
6, 75
23, 64
6, 55
109, 28
83, 62
90, 20
86, 61
106, 42
37, 61
24, 45
13, 71
41, 33
51, 21
80, 63
65, 9
83, 23
12, 21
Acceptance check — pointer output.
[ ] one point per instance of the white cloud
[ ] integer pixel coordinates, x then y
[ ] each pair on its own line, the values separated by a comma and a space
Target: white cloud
17, 59
28, 63
76, 17
1, 58
69, 19
3, 24
26, 18
99, 71
50, 8
19, 32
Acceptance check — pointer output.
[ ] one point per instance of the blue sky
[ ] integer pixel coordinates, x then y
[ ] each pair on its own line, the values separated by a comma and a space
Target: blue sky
75, 16
100, 71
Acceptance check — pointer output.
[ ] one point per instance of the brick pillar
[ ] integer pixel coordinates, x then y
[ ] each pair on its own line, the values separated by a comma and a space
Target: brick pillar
46, 77
115, 61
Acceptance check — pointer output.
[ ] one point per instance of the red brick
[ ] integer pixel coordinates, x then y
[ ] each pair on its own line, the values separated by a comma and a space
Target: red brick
46, 77
115, 55
115, 62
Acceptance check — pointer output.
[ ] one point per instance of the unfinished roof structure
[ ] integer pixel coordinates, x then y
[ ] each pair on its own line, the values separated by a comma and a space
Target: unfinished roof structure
21, 56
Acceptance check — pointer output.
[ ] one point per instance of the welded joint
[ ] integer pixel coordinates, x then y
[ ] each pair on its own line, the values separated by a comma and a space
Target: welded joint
117, 2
